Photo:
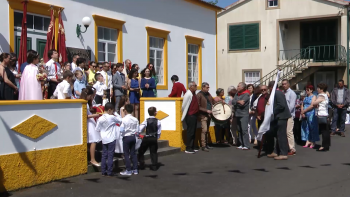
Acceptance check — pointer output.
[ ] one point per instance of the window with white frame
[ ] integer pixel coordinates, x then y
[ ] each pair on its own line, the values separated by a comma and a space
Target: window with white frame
156, 57
192, 63
272, 3
250, 77
34, 22
107, 44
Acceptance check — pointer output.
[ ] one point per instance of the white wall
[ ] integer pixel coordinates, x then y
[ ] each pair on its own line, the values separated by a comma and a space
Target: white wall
177, 16
68, 132
230, 65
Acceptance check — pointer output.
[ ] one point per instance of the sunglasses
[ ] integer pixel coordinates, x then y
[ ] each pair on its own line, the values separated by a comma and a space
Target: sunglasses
100, 67
94, 66
263, 89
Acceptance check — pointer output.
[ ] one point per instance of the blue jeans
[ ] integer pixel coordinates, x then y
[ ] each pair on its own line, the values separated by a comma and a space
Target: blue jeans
339, 114
107, 154
129, 143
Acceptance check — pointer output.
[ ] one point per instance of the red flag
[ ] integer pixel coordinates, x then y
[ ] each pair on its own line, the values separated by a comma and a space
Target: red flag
50, 40
22, 56
61, 44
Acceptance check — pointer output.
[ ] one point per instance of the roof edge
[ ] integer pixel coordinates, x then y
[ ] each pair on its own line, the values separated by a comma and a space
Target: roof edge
206, 5
229, 7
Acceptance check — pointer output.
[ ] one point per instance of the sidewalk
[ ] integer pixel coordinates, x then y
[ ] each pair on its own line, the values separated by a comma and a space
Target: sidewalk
224, 171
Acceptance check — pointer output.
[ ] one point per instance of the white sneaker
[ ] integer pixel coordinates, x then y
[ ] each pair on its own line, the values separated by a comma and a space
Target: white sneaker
195, 150
245, 148
239, 147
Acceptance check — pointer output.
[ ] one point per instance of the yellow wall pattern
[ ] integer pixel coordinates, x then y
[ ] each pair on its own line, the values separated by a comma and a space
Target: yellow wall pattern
36, 167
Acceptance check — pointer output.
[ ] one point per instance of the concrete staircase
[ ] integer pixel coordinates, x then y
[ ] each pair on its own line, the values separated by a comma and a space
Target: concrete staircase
163, 150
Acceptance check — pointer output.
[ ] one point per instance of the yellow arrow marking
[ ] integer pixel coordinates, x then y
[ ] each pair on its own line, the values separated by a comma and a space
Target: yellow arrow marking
161, 115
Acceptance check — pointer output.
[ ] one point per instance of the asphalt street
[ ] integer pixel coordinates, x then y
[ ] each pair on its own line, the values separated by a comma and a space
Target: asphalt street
224, 171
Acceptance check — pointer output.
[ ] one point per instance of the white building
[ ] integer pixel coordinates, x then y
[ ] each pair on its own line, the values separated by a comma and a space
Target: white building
306, 38
178, 36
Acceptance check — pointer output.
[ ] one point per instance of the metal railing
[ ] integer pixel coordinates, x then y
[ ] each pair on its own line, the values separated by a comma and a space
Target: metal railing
324, 53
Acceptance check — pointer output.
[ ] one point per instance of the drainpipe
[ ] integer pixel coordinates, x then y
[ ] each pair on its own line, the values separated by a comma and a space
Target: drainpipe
347, 45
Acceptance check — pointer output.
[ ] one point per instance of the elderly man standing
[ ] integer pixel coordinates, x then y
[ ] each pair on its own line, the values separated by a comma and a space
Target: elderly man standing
190, 110
291, 98
241, 107
206, 102
260, 104
278, 127
340, 99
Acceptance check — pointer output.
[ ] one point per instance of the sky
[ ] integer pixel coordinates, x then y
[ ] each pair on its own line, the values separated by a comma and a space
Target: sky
224, 3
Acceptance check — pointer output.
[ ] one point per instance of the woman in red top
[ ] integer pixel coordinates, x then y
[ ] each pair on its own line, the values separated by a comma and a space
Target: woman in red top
178, 88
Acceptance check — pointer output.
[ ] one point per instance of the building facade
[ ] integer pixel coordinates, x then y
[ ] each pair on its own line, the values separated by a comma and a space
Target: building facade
304, 38
177, 36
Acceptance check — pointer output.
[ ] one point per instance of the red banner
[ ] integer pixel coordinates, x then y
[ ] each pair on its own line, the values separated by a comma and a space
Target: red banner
22, 56
50, 40
61, 44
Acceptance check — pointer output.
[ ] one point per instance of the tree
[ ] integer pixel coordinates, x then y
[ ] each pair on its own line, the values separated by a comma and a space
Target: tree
213, 2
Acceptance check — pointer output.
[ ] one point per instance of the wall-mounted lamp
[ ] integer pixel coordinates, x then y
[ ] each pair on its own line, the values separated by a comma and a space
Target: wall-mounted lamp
86, 22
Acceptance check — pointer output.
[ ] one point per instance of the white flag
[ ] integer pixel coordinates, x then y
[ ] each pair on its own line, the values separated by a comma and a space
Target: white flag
265, 126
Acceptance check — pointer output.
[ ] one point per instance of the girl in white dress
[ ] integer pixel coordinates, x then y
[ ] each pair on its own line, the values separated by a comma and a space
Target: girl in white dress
94, 137
119, 144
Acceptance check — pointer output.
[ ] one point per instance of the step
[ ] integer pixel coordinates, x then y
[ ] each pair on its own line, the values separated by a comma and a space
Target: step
298, 72
164, 151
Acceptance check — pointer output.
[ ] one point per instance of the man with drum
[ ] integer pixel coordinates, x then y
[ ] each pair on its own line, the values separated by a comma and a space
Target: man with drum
241, 108
206, 102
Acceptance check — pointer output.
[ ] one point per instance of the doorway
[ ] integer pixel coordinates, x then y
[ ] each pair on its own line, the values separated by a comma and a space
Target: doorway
322, 36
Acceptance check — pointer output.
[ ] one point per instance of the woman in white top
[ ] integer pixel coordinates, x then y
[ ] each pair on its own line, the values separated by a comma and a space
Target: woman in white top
321, 105
94, 136
252, 116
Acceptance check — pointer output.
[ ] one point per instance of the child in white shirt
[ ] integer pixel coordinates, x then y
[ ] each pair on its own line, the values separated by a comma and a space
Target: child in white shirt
106, 125
129, 130
100, 88
63, 90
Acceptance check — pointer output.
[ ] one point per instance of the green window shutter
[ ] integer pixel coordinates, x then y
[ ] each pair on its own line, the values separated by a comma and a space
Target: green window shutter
251, 36
243, 37
40, 46
236, 36
18, 43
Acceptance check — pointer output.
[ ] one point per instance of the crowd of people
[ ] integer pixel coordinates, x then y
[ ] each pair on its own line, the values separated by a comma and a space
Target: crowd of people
113, 92
113, 96
295, 119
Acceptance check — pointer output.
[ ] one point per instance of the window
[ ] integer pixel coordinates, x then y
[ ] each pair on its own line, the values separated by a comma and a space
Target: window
194, 60
244, 37
108, 39
250, 77
192, 63
34, 22
107, 44
156, 56
272, 3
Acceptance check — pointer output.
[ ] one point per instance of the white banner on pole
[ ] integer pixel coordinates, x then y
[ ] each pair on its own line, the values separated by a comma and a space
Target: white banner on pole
265, 126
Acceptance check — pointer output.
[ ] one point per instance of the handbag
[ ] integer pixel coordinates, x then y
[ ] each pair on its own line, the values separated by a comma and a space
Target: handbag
322, 119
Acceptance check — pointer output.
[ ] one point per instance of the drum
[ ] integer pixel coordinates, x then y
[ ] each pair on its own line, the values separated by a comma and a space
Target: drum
221, 112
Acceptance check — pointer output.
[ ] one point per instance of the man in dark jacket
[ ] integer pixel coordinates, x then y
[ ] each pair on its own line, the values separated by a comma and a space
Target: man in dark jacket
278, 127
206, 102
240, 105
340, 99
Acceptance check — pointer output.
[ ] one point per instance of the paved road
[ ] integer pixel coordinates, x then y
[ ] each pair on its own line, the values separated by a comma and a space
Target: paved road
224, 171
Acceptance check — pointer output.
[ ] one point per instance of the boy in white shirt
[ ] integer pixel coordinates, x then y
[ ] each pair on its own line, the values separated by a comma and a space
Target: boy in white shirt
63, 90
150, 140
100, 88
106, 125
129, 130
